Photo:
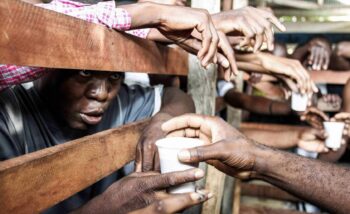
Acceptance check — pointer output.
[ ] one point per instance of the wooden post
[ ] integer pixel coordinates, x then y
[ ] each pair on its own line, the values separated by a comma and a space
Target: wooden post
234, 117
202, 87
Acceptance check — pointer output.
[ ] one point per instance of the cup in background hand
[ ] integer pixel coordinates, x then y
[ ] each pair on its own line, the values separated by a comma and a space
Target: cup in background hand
168, 148
299, 101
335, 133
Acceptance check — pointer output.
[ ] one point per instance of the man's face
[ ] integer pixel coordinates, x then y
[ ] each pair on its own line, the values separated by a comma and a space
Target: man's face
83, 96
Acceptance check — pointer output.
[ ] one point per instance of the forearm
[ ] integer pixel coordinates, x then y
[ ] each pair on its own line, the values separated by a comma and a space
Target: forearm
320, 183
255, 104
175, 102
332, 156
144, 14
343, 49
300, 52
155, 35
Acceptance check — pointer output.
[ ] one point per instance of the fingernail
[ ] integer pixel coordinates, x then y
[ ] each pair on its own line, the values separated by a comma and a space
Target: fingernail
184, 155
199, 174
225, 64
197, 196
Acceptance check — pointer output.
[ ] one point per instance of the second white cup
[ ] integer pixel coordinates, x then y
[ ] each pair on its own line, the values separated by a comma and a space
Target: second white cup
299, 101
335, 133
168, 149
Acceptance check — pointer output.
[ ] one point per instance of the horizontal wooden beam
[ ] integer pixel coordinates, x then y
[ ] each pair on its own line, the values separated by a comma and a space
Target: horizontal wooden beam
36, 181
265, 191
34, 36
270, 127
265, 210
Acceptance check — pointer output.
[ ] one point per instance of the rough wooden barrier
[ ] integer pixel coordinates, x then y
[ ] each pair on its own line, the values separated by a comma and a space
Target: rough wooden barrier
265, 191
34, 182
33, 36
264, 210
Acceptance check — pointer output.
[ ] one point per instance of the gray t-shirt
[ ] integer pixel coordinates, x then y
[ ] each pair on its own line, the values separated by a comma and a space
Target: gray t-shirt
26, 125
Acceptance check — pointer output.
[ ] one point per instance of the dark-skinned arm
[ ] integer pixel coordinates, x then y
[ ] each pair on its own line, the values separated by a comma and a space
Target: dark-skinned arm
256, 104
174, 103
346, 97
320, 183
323, 184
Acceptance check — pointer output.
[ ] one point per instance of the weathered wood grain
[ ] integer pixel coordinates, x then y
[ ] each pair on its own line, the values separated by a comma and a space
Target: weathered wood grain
33, 36
34, 182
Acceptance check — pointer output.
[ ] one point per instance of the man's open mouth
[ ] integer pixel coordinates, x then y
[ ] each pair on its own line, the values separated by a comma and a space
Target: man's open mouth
91, 118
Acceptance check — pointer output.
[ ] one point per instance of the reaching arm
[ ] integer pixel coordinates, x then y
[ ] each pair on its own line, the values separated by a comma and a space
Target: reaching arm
346, 97
174, 103
320, 183
316, 53
323, 184
256, 104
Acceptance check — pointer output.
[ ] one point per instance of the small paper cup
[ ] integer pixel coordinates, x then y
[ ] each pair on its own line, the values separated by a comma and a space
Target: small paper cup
299, 101
335, 133
168, 149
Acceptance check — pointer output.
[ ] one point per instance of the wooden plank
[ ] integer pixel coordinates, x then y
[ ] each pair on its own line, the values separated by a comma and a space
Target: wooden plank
236, 204
34, 182
202, 87
270, 127
264, 210
265, 191
33, 36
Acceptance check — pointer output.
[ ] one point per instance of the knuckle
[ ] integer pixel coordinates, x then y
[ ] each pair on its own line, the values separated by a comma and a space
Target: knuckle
159, 207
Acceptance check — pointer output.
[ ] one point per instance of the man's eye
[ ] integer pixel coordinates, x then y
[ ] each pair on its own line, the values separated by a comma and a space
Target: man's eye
115, 76
85, 73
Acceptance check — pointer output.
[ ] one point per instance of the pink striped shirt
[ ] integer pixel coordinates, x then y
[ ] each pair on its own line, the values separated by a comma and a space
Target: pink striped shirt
104, 13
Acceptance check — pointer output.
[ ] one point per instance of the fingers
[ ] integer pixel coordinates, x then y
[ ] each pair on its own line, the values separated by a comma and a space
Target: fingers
210, 40
326, 61
272, 19
138, 158
317, 112
313, 146
343, 116
175, 203
188, 121
190, 133
163, 181
148, 150
211, 55
229, 53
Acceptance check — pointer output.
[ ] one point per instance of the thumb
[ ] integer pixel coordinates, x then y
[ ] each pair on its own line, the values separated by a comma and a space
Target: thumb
202, 153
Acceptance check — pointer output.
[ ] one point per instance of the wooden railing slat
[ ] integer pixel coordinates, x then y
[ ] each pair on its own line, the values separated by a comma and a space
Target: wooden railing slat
36, 181
34, 36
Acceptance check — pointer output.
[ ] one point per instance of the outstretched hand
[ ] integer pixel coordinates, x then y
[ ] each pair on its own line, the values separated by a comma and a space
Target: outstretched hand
314, 117
255, 25
145, 191
226, 148
313, 141
288, 69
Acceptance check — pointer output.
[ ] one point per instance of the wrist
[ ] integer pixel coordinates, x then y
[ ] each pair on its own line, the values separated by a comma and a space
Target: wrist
145, 14
263, 156
215, 19
161, 117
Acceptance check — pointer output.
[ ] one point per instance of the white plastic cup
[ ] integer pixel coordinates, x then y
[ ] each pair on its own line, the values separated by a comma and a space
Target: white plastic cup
168, 149
335, 133
299, 101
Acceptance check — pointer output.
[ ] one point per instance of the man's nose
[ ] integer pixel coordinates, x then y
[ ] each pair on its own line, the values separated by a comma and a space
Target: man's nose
99, 91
